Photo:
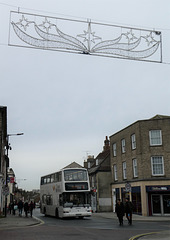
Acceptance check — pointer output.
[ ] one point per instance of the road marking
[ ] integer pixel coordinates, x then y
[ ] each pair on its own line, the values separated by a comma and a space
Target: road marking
142, 235
38, 219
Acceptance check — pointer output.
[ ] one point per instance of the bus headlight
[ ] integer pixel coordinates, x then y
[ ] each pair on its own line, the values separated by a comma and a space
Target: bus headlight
66, 211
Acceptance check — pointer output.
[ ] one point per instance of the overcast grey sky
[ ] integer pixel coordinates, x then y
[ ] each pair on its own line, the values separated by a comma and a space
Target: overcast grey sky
67, 103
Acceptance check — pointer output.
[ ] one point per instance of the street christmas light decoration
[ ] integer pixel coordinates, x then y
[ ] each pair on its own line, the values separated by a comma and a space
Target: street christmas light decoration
60, 34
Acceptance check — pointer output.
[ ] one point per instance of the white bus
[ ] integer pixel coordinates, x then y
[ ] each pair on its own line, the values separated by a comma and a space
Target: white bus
66, 193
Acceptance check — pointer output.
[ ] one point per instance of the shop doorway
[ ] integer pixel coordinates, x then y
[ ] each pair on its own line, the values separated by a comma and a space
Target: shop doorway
160, 204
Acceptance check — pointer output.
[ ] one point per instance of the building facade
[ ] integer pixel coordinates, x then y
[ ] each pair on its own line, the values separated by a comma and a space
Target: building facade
140, 162
3, 159
100, 177
11, 186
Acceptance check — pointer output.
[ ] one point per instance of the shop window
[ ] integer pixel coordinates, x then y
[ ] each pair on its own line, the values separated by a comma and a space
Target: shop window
136, 200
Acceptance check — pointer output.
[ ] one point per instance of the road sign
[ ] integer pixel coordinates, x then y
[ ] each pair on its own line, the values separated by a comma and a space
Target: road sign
5, 190
128, 187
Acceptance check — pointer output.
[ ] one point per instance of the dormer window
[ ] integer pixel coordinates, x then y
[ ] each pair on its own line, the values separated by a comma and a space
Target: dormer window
97, 162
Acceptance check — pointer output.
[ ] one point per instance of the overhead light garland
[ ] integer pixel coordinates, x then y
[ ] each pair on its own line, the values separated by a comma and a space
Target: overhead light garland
37, 31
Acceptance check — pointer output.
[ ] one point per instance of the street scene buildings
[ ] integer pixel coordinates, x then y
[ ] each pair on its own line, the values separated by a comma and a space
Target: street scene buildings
134, 163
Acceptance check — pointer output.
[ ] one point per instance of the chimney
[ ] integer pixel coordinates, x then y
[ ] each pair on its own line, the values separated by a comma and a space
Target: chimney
106, 144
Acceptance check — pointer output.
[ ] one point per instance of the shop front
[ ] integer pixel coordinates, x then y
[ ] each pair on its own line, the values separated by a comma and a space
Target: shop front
158, 200
135, 196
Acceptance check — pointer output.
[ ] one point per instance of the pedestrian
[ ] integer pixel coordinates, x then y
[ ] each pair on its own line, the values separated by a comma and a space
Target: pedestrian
20, 207
10, 208
26, 208
128, 210
14, 207
31, 207
120, 211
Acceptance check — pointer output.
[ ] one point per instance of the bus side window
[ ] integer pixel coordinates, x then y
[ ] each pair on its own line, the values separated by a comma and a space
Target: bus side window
56, 177
61, 200
42, 181
44, 198
59, 177
52, 178
49, 200
48, 179
45, 180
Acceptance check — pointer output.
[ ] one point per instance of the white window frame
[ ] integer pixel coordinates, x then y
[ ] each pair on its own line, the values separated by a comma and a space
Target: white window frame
133, 141
114, 149
153, 139
135, 168
115, 172
123, 145
156, 165
124, 170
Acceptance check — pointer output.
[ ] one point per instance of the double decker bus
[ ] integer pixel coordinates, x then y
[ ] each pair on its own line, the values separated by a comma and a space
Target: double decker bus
66, 193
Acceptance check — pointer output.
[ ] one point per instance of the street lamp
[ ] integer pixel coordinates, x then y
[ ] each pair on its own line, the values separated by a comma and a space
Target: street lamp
8, 147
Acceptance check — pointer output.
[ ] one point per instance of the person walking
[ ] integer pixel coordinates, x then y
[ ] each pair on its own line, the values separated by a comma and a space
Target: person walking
20, 207
31, 207
128, 210
10, 208
26, 208
14, 207
120, 211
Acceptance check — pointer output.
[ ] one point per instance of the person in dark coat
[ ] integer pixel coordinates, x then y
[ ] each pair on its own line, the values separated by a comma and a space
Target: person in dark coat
20, 207
26, 208
14, 207
120, 211
10, 208
128, 211
31, 207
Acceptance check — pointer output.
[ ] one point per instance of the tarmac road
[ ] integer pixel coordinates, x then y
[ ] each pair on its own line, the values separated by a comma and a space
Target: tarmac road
100, 226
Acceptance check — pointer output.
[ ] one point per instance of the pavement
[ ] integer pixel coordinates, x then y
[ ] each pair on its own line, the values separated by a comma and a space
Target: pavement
12, 221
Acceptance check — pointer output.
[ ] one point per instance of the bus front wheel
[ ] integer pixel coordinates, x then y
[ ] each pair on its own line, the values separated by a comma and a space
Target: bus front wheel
45, 212
56, 213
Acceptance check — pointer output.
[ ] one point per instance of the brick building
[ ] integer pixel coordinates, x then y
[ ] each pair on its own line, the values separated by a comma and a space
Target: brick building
140, 162
11, 185
100, 177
